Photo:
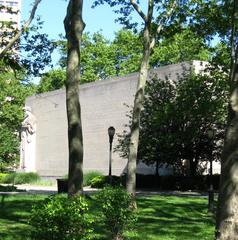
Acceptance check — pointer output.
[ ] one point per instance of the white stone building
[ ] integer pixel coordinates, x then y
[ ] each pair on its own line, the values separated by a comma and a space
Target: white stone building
103, 105
15, 17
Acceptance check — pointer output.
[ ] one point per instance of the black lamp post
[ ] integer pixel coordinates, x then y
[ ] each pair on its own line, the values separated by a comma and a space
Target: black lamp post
211, 135
111, 132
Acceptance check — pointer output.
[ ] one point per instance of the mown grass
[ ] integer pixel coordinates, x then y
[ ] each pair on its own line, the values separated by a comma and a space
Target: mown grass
170, 218
14, 212
160, 218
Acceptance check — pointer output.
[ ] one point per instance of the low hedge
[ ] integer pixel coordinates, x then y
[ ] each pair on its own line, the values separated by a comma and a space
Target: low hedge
20, 178
2, 177
181, 183
117, 212
102, 181
61, 218
88, 176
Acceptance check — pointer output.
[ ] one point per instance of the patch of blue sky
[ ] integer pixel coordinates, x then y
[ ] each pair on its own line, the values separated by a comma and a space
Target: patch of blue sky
52, 13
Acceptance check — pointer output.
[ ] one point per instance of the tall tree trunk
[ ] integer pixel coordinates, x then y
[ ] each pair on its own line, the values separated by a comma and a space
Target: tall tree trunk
148, 44
227, 210
74, 26
138, 101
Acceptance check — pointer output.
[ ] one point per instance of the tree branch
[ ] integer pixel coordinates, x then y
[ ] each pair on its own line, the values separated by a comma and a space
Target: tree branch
162, 22
67, 19
166, 17
22, 30
139, 11
150, 10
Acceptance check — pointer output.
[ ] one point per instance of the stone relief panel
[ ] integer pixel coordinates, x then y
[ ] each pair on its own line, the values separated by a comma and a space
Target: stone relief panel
28, 141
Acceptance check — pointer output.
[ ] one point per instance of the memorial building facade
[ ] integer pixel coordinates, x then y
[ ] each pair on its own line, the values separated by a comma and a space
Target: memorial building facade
103, 104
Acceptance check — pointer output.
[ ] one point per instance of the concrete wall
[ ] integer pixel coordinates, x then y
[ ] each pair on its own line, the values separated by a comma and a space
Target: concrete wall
103, 105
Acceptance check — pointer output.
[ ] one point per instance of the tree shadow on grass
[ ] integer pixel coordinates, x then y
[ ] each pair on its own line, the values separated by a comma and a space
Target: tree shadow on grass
159, 218
174, 218
14, 213
16, 233
98, 225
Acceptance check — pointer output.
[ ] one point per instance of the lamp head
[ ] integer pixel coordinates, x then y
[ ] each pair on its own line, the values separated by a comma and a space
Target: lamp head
111, 132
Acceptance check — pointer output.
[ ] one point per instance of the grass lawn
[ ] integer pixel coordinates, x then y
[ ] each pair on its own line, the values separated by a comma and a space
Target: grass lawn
174, 218
160, 218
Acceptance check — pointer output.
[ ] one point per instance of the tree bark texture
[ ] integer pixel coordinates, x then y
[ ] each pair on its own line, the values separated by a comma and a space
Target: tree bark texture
148, 44
227, 210
135, 126
74, 27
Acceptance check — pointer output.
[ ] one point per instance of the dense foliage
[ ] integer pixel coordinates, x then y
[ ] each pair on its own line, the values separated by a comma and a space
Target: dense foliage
103, 181
176, 119
88, 176
117, 210
19, 178
184, 45
61, 218
25, 58
102, 58
52, 80
33, 47
12, 98
160, 218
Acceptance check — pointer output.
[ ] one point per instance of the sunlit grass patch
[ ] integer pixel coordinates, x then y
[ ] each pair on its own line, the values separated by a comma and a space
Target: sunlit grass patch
159, 218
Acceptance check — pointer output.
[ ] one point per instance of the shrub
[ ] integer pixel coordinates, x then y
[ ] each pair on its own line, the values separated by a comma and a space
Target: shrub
44, 182
182, 183
103, 181
87, 177
117, 210
30, 177
9, 178
21, 178
98, 182
61, 218
2, 177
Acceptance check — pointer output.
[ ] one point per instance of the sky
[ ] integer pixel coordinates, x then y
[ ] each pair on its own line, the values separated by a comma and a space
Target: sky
52, 12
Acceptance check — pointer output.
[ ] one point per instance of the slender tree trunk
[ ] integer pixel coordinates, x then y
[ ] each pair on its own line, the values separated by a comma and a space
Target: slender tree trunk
227, 210
148, 44
74, 26
138, 101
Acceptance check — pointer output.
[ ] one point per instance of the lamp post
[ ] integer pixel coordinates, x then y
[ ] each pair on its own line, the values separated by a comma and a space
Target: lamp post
211, 135
111, 132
